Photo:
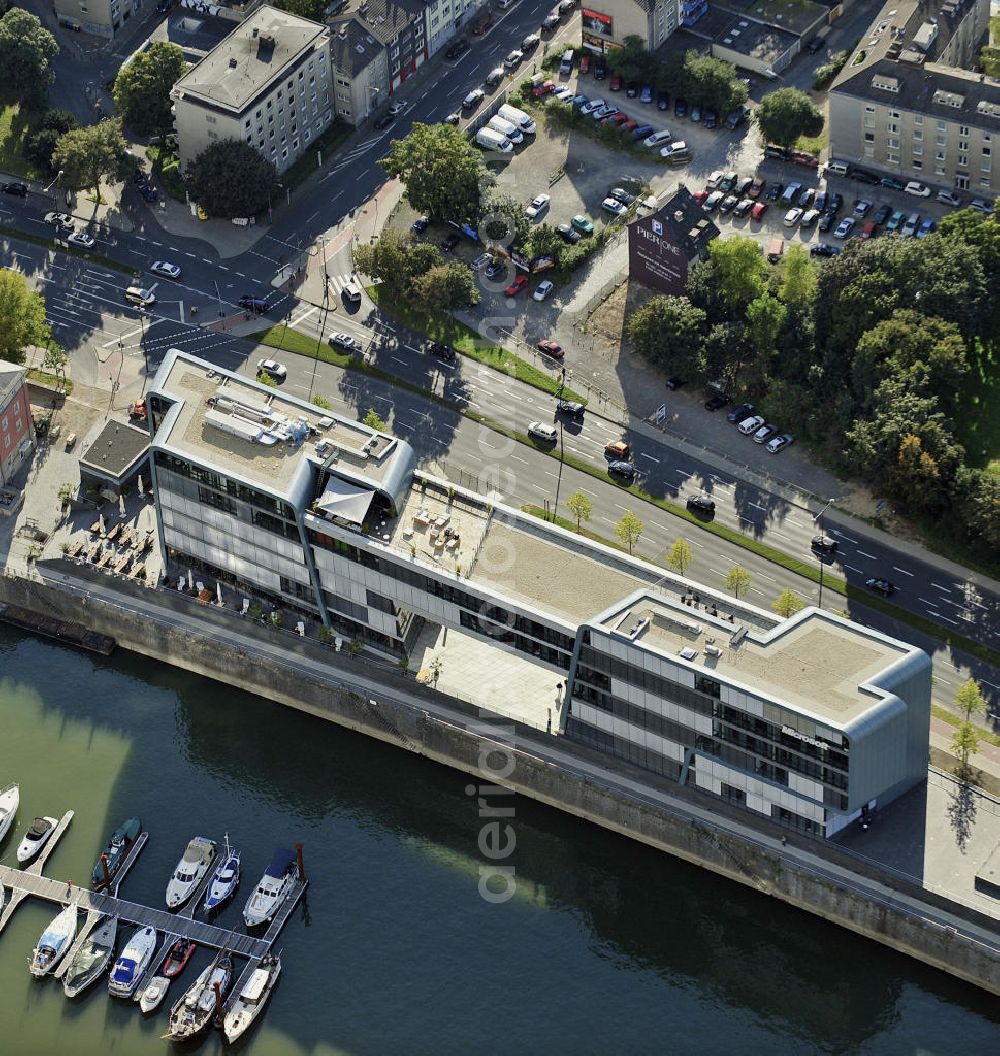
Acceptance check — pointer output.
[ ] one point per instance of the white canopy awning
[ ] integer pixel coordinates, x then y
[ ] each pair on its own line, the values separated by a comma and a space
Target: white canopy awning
345, 501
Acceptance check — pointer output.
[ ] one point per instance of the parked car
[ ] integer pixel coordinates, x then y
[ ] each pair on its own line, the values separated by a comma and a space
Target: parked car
594, 104
862, 207
882, 213
582, 224
909, 229
949, 198
895, 221
551, 348
804, 158
728, 181
823, 249
764, 433
758, 211
497, 268
449, 243
676, 151
680, 107
776, 443
568, 234
442, 351
483, 261
632, 90
713, 200
459, 47
657, 139
420, 225
272, 369
738, 413
646, 95
542, 290
844, 228
881, 586
61, 220
790, 193
915, 187
806, 197
716, 401
621, 195
756, 188
696, 113
750, 425
15, 187
258, 305
710, 119
600, 68
870, 230
518, 283
809, 218
981, 206
826, 221
662, 100
735, 118
892, 183
583, 69
616, 82
674, 383
538, 205
642, 131
80, 238
513, 59
774, 192
814, 45
743, 207
473, 99
792, 217
927, 226
701, 504
548, 434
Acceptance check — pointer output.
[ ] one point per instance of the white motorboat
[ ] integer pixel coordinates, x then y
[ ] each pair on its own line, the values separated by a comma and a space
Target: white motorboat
223, 884
191, 1014
91, 960
273, 889
154, 993
191, 869
10, 799
35, 838
55, 941
134, 960
252, 998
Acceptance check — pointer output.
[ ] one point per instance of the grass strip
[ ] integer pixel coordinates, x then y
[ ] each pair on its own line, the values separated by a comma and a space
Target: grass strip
51, 381
441, 327
72, 251
955, 721
791, 564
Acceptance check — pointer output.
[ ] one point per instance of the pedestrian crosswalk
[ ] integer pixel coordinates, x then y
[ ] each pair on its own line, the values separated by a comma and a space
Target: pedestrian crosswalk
338, 283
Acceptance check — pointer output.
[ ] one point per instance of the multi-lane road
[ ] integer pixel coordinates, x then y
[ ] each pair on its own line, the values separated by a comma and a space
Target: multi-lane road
111, 341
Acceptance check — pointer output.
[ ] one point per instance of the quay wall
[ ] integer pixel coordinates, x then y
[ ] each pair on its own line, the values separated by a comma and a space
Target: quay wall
383, 704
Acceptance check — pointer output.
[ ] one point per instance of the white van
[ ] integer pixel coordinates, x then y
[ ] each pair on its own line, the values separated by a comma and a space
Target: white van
491, 139
566, 66
137, 295
506, 128
517, 117
837, 168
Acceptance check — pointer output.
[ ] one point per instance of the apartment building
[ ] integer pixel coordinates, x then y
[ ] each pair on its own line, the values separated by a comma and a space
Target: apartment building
267, 83
806, 721
101, 18
17, 433
360, 70
444, 20
653, 21
907, 104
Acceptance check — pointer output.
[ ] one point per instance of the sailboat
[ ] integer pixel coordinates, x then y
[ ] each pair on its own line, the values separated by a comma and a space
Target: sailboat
55, 941
10, 799
227, 876
191, 1014
252, 998
91, 960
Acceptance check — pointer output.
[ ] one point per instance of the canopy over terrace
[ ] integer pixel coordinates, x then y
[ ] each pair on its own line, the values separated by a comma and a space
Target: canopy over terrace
345, 502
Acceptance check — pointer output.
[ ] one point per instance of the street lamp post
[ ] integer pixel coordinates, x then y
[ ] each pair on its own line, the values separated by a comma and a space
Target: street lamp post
818, 518
319, 337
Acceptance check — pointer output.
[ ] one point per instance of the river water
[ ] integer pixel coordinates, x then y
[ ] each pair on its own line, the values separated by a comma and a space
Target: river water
606, 946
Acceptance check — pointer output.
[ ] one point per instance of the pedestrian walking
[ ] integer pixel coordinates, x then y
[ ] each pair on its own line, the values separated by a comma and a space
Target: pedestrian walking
69, 888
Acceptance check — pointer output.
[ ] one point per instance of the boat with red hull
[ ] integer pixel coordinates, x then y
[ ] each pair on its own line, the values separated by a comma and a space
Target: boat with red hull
178, 957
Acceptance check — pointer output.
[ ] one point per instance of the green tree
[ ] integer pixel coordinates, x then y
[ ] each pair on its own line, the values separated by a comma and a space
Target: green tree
314, 10
632, 61
965, 744
544, 241
421, 257
374, 421
55, 361
680, 556
713, 82
740, 271
738, 580
27, 51
983, 514
580, 506
210, 179
386, 260
39, 146
442, 171
628, 529
263, 378
669, 332
22, 317
88, 155
142, 88
787, 113
969, 699
788, 603
447, 286
797, 278
765, 319
503, 221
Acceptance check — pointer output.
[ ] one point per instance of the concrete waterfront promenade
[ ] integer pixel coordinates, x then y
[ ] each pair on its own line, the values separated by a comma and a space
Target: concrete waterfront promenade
892, 907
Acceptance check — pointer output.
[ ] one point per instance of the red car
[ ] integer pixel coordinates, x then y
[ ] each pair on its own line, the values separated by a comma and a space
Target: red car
516, 286
614, 119
616, 82
630, 125
758, 211
870, 230
544, 88
700, 196
551, 348
805, 159
584, 67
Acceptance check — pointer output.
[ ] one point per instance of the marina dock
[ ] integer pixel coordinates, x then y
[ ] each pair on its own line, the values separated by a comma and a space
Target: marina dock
23, 883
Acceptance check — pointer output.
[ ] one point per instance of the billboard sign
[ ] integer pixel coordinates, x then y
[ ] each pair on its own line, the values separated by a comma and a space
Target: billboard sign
653, 259
597, 22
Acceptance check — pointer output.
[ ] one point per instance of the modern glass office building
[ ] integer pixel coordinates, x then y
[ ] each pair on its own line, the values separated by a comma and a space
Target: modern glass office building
806, 721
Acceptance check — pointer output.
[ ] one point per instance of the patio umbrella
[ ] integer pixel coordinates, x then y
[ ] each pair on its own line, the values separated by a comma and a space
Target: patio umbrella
218, 591
100, 521
180, 582
121, 506
140, 483
190, 580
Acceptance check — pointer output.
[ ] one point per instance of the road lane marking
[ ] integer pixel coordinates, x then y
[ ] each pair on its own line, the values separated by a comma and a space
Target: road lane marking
650, 457
756, 507
947, 590
780, 536
863, 553
853, 569
896, 568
